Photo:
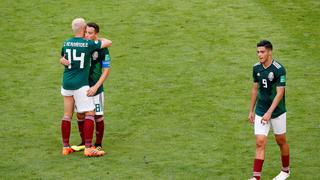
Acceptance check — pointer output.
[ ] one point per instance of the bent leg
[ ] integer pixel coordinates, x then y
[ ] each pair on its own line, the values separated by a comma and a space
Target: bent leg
68, 102
284, 149
261, 131
88, 128
280, 128
99, 119
80, 120
261, 141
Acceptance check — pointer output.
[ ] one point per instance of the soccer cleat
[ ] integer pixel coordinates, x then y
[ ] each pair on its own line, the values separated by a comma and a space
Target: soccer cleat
67, 151
282, 176
99, 148
93, 152
253, 178
78, 148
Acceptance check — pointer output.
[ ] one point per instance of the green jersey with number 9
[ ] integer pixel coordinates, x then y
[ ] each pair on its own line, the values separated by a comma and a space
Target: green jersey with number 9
78, 52
268, 80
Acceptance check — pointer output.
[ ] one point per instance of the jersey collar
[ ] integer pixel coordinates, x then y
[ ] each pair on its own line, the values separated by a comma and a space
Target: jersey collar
268, 66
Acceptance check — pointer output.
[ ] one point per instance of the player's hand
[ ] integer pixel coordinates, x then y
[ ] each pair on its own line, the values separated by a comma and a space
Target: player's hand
251, 117
266, 118
64, 61
92, 91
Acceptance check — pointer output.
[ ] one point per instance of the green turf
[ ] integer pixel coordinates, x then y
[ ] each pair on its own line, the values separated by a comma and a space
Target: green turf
178, 94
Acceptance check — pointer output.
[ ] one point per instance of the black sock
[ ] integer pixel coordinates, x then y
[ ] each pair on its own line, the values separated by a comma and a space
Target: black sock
96, 145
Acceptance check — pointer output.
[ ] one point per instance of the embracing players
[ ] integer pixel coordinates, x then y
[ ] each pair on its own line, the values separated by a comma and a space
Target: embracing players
75, 86
99, 71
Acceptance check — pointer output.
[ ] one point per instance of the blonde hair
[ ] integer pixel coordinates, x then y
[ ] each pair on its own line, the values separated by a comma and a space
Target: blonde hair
78, 24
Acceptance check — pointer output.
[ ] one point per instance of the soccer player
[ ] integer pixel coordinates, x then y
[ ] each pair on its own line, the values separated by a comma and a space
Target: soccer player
99, 71
75, 85
268, 100
100, 65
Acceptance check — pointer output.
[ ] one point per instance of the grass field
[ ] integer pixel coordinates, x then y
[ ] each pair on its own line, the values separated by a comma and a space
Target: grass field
178, 94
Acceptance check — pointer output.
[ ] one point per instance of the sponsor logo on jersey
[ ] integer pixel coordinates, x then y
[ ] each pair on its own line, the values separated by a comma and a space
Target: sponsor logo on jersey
271, 76
95, 55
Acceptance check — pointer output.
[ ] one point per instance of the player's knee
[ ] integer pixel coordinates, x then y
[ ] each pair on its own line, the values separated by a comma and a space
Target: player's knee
89, 117
98, 118
66, 118
281, 141
80, 116
260, 143
89, 113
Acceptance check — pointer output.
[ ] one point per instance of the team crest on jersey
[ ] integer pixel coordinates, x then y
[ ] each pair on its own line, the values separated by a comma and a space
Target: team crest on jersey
95, 55
271, 76
258, 74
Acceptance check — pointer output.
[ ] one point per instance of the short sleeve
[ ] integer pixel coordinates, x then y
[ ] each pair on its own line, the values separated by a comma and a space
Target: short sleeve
254, 74
281, 80
62, 52
106, 58
94, 45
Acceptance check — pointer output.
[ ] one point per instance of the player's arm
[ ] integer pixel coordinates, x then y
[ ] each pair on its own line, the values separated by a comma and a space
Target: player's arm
105, 72
92, 91
254, 94
275, 102
277, 99
64, 61
105, 43
281, 83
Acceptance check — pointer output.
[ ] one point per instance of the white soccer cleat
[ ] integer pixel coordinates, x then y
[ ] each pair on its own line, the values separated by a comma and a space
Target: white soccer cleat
253, 178
282, 176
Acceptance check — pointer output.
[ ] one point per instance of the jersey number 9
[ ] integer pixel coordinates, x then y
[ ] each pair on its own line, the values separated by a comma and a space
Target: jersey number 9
264, 82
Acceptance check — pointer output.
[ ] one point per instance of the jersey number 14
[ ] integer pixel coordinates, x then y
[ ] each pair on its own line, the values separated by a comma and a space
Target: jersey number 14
75, 57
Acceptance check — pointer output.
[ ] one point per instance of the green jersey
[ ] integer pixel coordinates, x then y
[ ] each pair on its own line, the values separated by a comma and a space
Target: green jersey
78, 51
268, 80
100, 59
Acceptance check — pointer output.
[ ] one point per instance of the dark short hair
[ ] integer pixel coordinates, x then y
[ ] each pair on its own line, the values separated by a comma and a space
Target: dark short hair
265, 43
94, 25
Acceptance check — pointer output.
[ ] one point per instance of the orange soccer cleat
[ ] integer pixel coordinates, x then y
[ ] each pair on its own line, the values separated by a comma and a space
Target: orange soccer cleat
67, 151
93, 152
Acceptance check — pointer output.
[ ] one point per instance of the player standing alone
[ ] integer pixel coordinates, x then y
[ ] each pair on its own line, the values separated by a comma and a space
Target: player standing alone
268, 100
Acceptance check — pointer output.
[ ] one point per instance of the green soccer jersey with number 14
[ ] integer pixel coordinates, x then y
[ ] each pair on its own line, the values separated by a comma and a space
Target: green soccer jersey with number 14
78, 51
268, 80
